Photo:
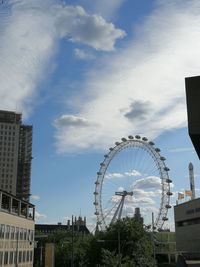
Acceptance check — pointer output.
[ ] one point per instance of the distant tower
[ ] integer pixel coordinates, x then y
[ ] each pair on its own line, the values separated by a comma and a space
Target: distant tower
137, 215
191, 176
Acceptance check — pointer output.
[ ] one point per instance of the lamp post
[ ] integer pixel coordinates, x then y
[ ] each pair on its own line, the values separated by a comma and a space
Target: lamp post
119, 247
72, 260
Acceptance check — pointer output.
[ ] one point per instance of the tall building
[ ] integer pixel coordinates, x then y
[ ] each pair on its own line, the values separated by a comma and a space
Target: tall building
15, 154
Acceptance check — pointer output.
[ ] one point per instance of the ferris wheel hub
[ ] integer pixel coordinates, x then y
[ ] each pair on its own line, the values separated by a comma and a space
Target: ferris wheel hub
124, 193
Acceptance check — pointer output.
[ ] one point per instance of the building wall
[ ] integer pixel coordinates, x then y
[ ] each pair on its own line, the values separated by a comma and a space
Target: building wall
16, 231
187, 226
15, 155
24, 162
16, 240
49, 254
9, 143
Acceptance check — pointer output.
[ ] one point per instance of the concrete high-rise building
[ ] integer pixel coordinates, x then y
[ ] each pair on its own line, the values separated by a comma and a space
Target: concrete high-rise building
15, 154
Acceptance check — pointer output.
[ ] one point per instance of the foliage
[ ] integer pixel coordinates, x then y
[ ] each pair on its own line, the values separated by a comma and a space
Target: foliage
125, 241
127, 237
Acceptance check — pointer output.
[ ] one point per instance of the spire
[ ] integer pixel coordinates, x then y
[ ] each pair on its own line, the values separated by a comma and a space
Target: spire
191, 177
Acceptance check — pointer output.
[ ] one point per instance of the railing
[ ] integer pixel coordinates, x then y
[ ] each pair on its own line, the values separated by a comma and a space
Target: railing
12, 205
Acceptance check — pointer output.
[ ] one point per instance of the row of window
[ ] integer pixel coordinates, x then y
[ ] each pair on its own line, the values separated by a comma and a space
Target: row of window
14, 257
3, 170
16, 233
7, 138
4, 126
188, 222
8, 165
9, 154
7, 144
6, 159
5, 132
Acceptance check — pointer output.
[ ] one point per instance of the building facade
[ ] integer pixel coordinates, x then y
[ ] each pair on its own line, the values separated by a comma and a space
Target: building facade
78, 225
15, 154
16, 231
187, 227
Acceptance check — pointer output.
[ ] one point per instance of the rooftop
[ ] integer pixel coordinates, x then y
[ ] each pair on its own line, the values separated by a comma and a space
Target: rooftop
12, 205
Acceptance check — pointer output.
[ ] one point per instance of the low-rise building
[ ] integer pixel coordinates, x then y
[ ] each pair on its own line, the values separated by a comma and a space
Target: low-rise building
187, 227
16, 231
78, 226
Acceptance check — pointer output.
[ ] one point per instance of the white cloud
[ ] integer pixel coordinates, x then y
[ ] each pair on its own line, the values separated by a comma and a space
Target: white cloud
29, 40
181, 149
72, 121
39, 216
35, 197
114, 175
133, 173
91, 30
140, 89
106, 9
150, 182
83, 55
140, 193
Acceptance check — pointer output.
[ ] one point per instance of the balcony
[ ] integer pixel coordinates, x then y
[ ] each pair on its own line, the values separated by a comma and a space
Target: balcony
11, 204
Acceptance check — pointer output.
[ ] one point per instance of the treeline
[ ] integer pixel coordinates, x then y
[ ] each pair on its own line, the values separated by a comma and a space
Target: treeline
124, 244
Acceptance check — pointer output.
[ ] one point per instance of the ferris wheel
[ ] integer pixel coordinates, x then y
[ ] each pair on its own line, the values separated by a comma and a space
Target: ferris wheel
133, 174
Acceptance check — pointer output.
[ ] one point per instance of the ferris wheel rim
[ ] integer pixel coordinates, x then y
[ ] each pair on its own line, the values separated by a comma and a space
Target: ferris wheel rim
150, 148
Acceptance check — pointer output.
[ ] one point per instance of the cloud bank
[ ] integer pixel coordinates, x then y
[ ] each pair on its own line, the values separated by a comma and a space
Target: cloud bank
29, 37
140, 89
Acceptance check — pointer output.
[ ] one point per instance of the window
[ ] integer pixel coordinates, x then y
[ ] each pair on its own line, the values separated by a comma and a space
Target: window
27, 255
20, 256
11, 257
2, 230
12, 236
1, 258
31, 255
17, 233
24, 256
5, 257
25, 234
21, 233
7, 231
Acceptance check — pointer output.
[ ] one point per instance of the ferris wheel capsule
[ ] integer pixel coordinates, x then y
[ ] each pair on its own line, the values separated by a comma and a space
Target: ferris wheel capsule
151, 143
117, 143
130, 137
137, 137
169, 193
157, 149
144, 139
124, 139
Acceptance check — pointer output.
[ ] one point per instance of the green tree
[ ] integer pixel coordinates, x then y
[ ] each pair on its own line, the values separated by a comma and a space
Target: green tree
126, 236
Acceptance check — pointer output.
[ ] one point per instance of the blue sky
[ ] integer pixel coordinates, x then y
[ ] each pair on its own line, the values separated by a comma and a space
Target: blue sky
86, 73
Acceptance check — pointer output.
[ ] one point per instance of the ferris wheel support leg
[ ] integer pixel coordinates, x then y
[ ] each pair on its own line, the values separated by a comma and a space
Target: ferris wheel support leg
121, 208
116, 212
